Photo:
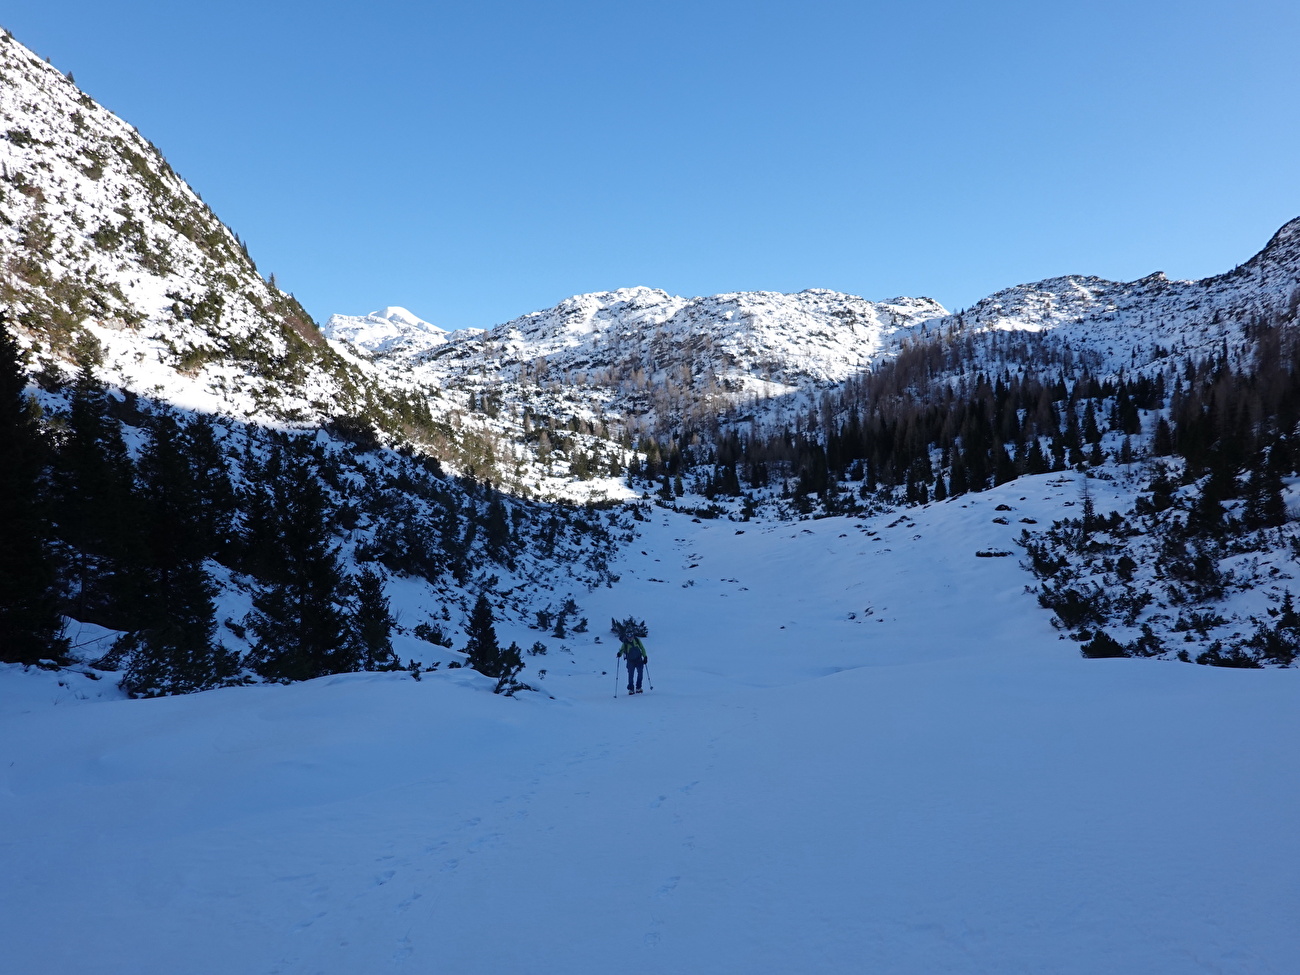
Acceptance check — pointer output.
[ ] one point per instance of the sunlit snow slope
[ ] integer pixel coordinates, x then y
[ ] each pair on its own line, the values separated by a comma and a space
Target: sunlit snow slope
865, 751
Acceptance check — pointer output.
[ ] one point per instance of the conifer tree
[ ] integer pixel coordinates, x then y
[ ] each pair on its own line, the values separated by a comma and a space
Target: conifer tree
178, 652
297, 618
497, 532
31, 627
174, 650
372, 621
214, 492
482, 647
96, 511
1265, 504
511, 663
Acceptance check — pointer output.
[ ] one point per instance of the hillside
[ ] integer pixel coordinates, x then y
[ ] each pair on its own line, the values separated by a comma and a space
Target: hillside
178, 418
653, 363
865, 749
1138, 325
111, 255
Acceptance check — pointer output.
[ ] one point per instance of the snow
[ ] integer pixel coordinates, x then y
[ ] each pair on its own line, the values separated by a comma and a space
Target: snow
810, 338
384, 331
866, 750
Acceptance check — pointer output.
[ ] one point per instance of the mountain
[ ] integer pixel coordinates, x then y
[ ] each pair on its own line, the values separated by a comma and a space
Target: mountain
639, 356
640, 359
388, 331
746, 342
185, 404
1135, 324
112, 258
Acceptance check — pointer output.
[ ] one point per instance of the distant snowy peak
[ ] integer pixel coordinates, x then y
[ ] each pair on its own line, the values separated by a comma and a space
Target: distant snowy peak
739, 339
391, 329
1133, 324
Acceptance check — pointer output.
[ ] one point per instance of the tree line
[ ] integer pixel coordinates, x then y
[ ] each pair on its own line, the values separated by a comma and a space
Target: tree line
131, 539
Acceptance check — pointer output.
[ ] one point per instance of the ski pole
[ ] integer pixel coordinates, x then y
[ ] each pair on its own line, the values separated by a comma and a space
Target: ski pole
648, 679
615, 675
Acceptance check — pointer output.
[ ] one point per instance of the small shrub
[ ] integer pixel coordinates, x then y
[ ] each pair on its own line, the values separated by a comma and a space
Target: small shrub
1102, 645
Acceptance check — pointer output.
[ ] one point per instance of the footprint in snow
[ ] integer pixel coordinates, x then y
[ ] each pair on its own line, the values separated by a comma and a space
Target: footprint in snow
667, 887
488, 842
304, 925
384, 877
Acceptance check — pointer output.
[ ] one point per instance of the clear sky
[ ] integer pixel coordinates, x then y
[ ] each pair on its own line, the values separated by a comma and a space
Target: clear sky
474, 161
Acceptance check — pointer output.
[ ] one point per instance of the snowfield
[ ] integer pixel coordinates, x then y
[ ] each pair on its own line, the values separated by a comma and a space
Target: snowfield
866, 750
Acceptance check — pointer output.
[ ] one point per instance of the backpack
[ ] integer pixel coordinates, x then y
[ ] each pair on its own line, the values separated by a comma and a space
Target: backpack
633, 651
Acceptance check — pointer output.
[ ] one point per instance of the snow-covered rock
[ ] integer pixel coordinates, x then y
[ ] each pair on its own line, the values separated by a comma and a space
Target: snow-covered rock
112, 258
391, 329
739, 341
1136, 323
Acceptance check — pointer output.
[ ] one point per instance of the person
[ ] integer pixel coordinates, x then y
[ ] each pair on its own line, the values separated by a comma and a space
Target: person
633, 651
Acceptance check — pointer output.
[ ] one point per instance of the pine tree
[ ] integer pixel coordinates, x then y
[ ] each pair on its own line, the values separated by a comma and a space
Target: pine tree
1162, 445
511, 663
1091, 432
174, 650
497, 532
482, 648
300, 626
31, 628
212, 485
256, 548
1265, 503
96, 510
178, 653
372, 622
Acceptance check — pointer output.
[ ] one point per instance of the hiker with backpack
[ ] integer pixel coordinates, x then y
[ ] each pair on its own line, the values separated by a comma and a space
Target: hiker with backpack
633, 651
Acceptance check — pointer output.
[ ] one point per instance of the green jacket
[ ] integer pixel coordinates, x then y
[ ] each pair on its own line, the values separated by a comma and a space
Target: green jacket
632, 649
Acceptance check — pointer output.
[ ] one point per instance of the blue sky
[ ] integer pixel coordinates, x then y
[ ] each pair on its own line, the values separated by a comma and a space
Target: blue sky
475, 161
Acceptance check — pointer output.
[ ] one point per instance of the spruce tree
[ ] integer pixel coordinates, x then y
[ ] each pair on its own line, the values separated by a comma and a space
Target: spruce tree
178, 652
300, 628
372, 621
482, 648
174, 650
213, 489
31, 627
96, 510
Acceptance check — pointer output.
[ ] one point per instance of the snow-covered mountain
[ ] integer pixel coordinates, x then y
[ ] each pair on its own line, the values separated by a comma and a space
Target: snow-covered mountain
1137, 323
116, 260
639, 354
113, 259
639, 357
743, 342
384, 332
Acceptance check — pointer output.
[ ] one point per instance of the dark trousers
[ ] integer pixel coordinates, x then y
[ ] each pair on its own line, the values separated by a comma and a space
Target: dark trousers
635, 668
